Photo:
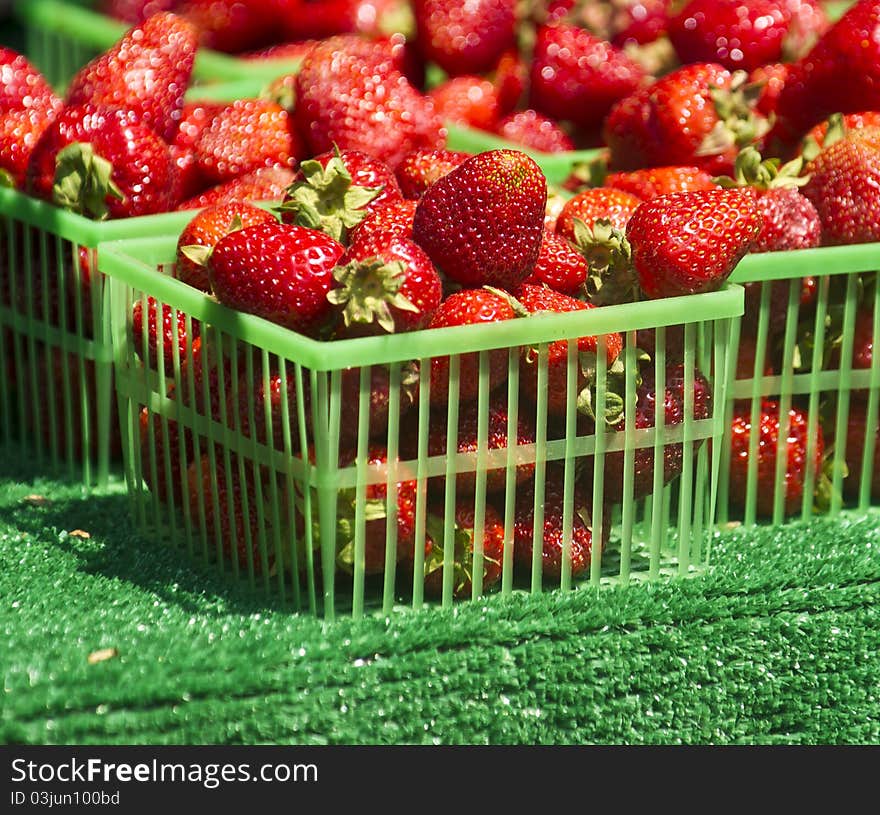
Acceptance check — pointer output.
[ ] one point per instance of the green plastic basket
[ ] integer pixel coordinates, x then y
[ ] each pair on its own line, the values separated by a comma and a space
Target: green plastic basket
310, 509
61, 36
790, 334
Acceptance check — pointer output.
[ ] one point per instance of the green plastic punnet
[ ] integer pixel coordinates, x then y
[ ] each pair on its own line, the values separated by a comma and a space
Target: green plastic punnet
794, 347
281, 491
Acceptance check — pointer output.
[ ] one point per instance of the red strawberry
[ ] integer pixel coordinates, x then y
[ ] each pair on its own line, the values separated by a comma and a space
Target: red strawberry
20, 129
851, 121
470, 307
246, 135
146, 333
465, 37
134, 11
463, 544
394, 218
640, 22
335, 191
231, 26
559, 265
23, 86
483, 223
350, 93
690, 242
147, 72
164, 464
319, 19
697, 115
204, 230
857, 443
541, 300
771, 79
421, 168
843, 185
386, 283
653, 181
281, 272
594, 204
577, 77
551, 536
797, 466
534, 130
510, 78
194, 118
468, 100
264, 184
100, 163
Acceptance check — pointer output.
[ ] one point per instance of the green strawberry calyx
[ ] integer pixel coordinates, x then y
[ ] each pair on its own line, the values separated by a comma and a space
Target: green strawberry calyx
326, 199
738, 124
83, 181
751, 170
6, 179
836, 131
346, 525
611, 276
463, 552
615, 388
368, 290
199, 253
589, 173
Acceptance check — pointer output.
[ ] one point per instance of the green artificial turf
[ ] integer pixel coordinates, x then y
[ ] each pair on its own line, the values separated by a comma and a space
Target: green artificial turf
778, 643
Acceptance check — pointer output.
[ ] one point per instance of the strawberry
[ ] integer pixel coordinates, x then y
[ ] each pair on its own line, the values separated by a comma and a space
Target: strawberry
771, 79
244, 136
843, 184
146, 333
510, 78
857, 442
463, 543
194, 118
350, 93
790, 220
281, 272
319, 19
815, 137
551, 536
467, 100
335, 191
465, 37
577, 77
395, 218
421, 168
147, 72
797, 464
23, 86
534, 130
101, 163
640, 22
644, 416
204, 230
134, 11
690, 242
231, 26
591, 205
20, 129
386, 283
699, 115
163, 465
841, 73
559, 265
483, 223
470, 307
653, 181
264, 184
541, 300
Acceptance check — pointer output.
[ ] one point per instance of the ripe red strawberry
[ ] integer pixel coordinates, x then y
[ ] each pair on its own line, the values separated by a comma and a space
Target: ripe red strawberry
790, 220
465, 37
815, 138
468, 100
640, 22
559, 265
173, 333
510, 78
147, 72
204, 230
594, 204
470, 307
386, 284
577, 77
653, 181
164, 464
857, 443
534, 130
541, 300
690, 242
841, 73
797, 464
335, 191
771, 78
100, 163
551, 536
245, 135
464, 543
351, 94
194, 118
421, 168
319, 19
231, 26
698, 115
844, 185
23, 86
645, 416
483, 223
395, 218
264, 184
281, 272
20, 129
134, 11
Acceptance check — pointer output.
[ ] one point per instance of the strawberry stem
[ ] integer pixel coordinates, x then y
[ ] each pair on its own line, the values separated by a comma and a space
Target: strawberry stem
368, 290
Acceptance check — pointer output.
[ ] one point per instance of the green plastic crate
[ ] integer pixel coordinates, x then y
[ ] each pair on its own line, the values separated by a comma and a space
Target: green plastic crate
807, 374
62, 36
290, 503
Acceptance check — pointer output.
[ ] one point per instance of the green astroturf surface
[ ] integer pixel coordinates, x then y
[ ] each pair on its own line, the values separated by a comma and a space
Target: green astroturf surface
778, 643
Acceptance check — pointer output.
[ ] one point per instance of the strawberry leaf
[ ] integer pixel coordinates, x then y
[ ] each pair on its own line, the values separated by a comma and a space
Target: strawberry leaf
368, 289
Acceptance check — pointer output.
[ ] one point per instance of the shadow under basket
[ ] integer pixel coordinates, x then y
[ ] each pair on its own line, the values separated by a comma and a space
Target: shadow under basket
326, 474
